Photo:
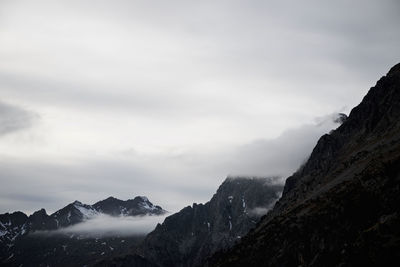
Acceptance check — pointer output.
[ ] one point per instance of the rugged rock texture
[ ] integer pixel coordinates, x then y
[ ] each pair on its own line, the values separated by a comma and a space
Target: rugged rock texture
188, 237
132, 207
20, 245
342, 208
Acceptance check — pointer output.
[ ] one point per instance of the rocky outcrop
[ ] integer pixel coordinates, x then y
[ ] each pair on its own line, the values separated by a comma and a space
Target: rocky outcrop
132, 207
342, 208
189, 236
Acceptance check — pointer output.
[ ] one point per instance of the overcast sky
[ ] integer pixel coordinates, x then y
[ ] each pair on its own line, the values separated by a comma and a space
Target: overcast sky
167, 98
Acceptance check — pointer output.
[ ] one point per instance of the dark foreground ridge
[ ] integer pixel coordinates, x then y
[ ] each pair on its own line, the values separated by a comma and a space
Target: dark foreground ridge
188, 237
342, 208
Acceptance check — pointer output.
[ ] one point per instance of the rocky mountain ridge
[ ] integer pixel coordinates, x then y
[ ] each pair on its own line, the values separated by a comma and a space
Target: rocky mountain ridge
16, 228
342, 207
189, 236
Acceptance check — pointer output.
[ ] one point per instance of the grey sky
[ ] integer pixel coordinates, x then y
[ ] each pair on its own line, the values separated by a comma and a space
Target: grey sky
166, 98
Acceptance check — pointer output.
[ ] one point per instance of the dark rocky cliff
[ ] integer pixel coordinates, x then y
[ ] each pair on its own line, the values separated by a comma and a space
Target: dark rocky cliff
189, 236
342, 208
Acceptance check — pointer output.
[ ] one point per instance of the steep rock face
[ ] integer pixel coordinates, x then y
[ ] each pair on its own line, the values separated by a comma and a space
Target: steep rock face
39, 220
188, 237
342, 208
73, 213
11, 226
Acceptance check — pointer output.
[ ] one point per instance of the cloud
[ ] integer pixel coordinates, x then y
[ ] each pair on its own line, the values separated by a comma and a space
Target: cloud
281, 156
262, 210
259, 211
167, 98
14, 118
104, 225
171, 180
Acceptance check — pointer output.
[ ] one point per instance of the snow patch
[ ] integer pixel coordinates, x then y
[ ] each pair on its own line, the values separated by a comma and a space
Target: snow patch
145, 199
3, 233
148, 206
23, 230
86, 212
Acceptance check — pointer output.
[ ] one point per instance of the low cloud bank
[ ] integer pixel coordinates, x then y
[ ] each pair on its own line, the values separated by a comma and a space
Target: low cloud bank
262, 210
108, 226
259, 211
283, 155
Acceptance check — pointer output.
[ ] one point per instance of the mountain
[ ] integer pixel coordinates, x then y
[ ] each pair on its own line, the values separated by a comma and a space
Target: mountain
138, 206
186, 238
342, 207
20, 242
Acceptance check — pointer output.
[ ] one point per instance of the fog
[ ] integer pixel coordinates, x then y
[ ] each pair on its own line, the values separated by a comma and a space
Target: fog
108, 226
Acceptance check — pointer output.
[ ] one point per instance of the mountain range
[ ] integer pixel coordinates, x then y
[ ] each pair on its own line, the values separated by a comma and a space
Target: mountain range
189, 236
20, 242
340, 208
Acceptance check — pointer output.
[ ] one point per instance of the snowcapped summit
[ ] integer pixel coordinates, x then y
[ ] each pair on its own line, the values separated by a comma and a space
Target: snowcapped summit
140, 205
145, 199
15, 227
87, 211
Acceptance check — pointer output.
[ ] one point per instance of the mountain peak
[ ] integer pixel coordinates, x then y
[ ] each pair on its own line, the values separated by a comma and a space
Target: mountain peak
41, 212
376, 116
395, 70
111, 198
142, 198
187, 237
341, 199
140, 205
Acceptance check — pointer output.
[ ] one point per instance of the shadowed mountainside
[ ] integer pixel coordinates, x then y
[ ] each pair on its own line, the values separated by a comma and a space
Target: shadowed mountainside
189, 236
342, 208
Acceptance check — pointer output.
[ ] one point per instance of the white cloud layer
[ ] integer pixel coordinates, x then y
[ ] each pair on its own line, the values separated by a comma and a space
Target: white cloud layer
104, 226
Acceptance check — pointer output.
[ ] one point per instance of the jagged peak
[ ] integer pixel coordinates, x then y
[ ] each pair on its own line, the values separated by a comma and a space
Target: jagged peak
39, 212
375, 115
143, 198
